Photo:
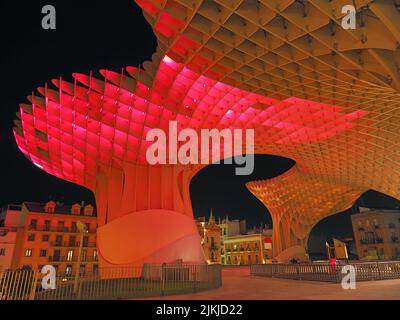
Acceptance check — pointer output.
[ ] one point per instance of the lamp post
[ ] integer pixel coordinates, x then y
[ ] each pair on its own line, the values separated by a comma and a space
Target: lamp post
82, 229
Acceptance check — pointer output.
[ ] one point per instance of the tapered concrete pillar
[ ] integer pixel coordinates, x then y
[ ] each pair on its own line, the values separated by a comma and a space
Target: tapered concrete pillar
145, 216
297, 202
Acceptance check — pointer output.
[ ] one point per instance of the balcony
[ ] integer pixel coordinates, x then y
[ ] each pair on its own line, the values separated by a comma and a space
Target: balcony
395, 239
371, 241
57, 229
72, 259
5, 230
72, 244
361, 229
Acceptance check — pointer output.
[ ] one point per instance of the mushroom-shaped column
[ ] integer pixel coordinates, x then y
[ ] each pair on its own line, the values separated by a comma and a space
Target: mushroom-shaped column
297, 201
95, 133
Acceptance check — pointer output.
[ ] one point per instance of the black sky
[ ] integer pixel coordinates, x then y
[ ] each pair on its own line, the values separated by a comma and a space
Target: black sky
92, 35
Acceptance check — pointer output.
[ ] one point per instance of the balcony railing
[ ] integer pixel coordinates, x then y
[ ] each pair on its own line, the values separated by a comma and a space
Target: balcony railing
365, 271
113, 283
72, 259
371, 241
5, 230
73, 244
57, 229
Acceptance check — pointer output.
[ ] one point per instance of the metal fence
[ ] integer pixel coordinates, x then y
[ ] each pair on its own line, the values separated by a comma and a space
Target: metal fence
113, 283
365, 271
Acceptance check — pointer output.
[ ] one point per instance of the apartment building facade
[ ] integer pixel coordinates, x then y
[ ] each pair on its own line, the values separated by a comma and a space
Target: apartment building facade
377, 233
210, 234
48, 234
247, 249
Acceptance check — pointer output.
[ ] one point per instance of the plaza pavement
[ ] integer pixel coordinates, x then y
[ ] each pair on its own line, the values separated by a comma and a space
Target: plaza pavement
238, 284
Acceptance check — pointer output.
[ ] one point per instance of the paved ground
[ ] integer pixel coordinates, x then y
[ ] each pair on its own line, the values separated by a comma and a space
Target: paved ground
238, 284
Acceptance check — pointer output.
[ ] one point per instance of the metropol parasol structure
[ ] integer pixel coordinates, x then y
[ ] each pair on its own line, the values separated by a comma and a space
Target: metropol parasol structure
313, 92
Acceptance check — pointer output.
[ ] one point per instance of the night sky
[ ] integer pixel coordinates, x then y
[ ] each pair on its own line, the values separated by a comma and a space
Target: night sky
92, 35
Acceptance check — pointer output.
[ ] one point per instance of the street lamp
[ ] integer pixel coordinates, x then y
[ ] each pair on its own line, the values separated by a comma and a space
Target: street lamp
82, 229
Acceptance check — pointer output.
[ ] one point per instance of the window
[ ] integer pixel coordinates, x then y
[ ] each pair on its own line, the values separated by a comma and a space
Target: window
45, 238
256, 258
249, 259
88, 211
60, 225
46, 225
50, 207
76, 209
95, 268
33, 224
2, 251
229, 259
70, 255
82, 270
85, 241
68, 270
72, 241
95, 254
43, 253
58, 240
28, 253
56, 255
31, 237
73, 227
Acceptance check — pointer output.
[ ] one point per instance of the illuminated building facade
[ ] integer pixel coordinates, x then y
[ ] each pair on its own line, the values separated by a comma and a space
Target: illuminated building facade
314, 92
47, 234
230, 228
210, 234
247, 249
11, 229
377, 233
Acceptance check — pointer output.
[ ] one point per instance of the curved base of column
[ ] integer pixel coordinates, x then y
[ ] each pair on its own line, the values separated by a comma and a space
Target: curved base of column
294, 252
149, 236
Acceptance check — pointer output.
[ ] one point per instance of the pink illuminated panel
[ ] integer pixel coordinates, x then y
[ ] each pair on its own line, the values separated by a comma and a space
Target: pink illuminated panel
75, 130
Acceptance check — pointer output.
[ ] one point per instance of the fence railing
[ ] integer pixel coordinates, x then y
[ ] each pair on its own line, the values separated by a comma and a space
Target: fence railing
365, 271
113, 283
18, 285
